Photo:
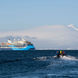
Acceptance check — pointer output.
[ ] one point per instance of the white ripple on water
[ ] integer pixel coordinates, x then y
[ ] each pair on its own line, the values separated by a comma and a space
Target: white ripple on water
69, 58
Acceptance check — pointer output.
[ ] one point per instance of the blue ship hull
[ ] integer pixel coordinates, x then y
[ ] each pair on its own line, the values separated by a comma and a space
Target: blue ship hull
12, 47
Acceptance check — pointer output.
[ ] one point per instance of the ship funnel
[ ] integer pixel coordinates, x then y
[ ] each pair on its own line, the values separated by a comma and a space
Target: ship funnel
9, 41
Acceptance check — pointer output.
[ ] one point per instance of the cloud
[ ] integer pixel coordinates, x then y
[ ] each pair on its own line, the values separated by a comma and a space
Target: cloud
51, 37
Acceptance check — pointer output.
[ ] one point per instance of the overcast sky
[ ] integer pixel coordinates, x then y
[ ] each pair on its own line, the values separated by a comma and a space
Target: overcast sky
46, 20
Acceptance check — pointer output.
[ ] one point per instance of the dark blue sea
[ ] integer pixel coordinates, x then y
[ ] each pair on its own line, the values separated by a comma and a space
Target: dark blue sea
38, 64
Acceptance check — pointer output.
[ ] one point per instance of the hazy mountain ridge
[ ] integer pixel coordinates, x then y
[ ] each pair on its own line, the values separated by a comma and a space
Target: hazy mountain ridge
48, 37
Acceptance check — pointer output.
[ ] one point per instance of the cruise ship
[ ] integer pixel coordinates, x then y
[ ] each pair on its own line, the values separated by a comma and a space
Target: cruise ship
17, 45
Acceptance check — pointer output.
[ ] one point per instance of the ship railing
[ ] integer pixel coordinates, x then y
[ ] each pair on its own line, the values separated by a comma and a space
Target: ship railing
12, 47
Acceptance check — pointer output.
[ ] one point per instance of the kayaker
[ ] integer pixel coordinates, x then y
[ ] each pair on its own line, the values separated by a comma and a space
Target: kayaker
63, 53
58, 54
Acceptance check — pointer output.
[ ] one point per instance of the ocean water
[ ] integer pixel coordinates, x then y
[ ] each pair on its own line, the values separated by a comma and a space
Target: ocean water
39, 64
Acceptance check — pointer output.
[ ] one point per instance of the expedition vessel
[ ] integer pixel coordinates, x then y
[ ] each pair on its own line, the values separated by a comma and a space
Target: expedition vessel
17, 45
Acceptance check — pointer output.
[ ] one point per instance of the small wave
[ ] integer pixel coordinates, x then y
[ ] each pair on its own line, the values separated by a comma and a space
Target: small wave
69, 58
9, 61
43, 58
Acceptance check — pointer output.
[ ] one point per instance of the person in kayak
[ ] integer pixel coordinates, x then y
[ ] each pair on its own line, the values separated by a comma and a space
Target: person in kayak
63, 53
60, 53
